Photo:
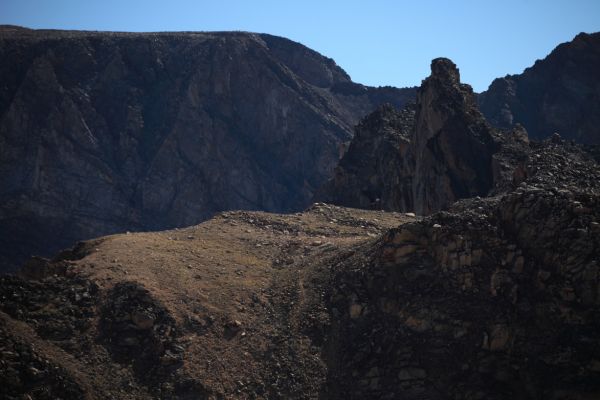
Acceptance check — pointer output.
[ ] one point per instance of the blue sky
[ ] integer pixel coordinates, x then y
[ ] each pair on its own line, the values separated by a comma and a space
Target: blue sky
377, 42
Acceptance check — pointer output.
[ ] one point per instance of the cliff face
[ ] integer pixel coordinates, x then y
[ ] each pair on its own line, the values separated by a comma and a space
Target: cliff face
560, 93
108, 132
423, 158
452, 143
371, 171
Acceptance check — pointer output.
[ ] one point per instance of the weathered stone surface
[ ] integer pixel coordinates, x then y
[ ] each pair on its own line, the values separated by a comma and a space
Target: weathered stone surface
422, 158
25, 374
139, 330
560, 93
494, 298
109, 132
372, 170
65, 315
453, 144
498, 298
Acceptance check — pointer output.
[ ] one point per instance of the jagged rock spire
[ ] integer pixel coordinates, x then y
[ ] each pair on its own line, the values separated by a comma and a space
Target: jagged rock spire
445, 149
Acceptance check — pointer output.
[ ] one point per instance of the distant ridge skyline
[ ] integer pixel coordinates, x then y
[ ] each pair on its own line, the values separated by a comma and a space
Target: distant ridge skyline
383, 43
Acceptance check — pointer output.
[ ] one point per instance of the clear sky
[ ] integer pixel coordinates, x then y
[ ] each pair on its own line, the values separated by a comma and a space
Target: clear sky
378, 42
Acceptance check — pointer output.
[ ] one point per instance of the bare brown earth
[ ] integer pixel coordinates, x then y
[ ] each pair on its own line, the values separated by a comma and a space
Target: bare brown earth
244, 267
245, 292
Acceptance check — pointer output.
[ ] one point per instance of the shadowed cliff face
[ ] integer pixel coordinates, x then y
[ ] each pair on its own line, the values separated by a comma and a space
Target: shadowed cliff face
422, 158
560, 93
107, 132
453, 144
372, 171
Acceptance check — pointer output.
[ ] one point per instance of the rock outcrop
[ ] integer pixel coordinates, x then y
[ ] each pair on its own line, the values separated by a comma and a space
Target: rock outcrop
228, 309
497, 298
109, 132
372, 172
422, 158
560, 93
452, 143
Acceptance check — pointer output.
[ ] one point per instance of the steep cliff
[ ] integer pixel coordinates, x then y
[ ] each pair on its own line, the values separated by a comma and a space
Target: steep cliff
370, 174
422, 158
108, 132
560, 93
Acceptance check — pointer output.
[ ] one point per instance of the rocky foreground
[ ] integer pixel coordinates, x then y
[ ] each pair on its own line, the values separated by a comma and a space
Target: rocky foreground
236, 307
496, 298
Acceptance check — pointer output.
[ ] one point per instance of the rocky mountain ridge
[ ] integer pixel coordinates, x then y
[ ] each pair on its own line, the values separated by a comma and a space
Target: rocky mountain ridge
559, 94
496, 297
106, 132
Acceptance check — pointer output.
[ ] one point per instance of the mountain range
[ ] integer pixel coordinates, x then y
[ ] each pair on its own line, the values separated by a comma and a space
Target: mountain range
490, 291
110, 132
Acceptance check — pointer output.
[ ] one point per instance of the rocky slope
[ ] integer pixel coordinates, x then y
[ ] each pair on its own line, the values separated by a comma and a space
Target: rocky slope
231, 308
372, 170
496, 298
424, 157
560, 93
109, 132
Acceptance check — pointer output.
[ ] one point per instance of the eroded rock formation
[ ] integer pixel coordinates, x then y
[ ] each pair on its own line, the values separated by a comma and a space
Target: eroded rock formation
497, 297
422, 158
371, 172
